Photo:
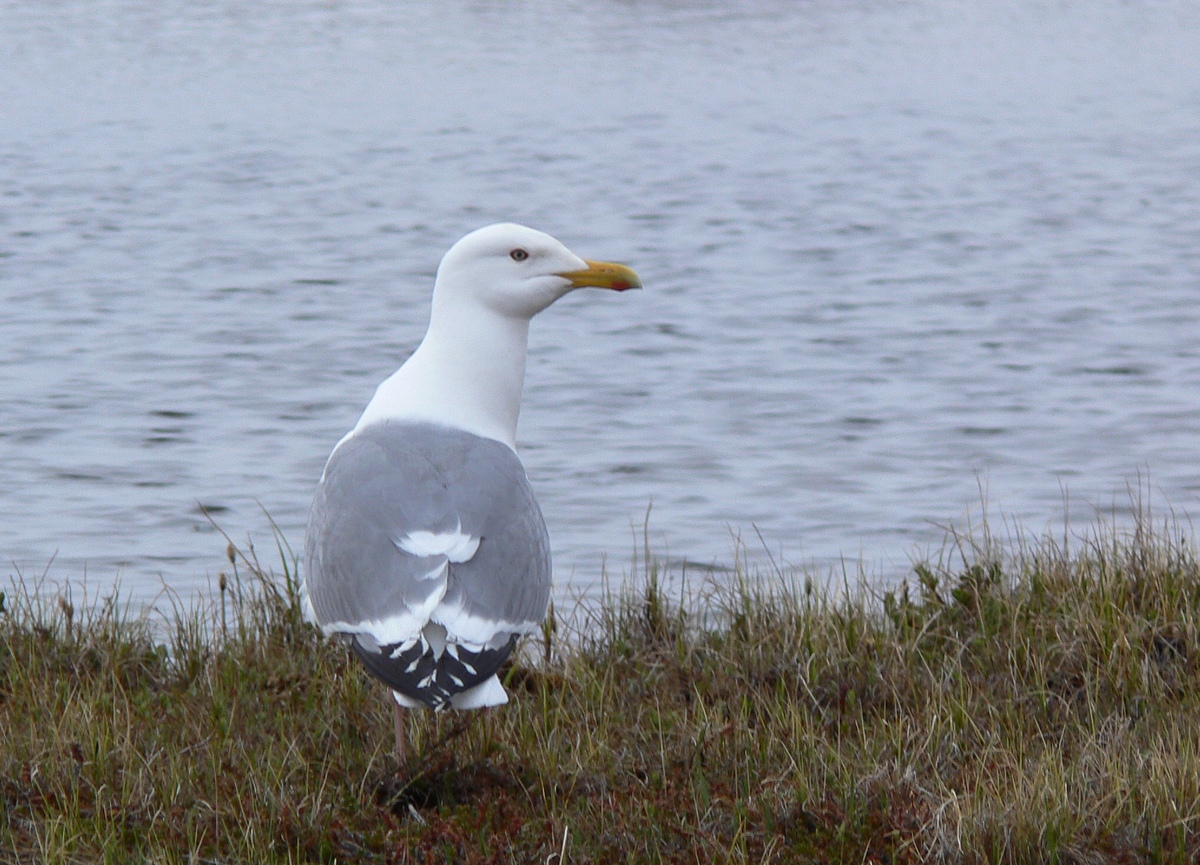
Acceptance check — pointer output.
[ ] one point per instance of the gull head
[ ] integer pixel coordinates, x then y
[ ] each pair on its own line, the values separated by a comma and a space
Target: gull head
518, 271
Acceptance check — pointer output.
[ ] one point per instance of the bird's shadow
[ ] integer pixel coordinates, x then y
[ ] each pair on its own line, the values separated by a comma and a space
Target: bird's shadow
443, 783
437, 778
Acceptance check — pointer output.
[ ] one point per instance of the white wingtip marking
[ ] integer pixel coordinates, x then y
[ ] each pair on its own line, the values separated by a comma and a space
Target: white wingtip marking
407, 702
403, 647
487, 693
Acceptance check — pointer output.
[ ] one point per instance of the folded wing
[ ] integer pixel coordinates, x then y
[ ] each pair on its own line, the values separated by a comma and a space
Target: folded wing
427, 550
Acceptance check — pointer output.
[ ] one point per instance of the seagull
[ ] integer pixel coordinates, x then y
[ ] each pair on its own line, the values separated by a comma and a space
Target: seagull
426, 549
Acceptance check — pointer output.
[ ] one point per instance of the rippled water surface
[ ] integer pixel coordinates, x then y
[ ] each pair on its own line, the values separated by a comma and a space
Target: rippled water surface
894, 252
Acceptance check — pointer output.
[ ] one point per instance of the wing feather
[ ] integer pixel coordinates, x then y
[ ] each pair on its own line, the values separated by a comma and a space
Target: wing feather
426, 548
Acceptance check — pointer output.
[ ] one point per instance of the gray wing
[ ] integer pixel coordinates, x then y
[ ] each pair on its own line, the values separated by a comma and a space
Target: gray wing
427, 548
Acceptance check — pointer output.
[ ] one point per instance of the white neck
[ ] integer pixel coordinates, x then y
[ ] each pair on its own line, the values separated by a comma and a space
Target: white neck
468, 373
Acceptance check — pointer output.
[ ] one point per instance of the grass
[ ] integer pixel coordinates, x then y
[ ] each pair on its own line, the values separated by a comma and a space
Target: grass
1013, 702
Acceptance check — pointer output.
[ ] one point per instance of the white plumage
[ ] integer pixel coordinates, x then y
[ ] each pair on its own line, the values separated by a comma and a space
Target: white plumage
426, 548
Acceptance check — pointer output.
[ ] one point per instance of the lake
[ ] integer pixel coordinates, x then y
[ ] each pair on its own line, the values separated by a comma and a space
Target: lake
901, 258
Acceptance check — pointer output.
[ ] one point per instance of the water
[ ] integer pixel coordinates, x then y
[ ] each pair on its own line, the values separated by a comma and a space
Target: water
894, 252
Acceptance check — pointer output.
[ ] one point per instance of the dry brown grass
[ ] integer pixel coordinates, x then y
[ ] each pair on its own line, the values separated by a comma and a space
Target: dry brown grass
1013, 703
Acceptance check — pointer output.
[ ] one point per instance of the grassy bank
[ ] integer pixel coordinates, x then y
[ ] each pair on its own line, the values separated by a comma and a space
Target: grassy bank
1018, 702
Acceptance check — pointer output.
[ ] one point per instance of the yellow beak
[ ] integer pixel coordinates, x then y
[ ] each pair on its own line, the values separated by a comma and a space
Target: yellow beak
603, 274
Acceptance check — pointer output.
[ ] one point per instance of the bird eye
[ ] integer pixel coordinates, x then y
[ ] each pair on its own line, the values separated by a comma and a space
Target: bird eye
518, 255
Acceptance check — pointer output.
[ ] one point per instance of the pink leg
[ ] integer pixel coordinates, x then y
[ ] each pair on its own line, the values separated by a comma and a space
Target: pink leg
401, 737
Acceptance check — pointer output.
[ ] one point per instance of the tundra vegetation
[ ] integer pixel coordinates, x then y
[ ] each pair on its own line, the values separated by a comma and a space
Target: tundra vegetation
1014, 700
